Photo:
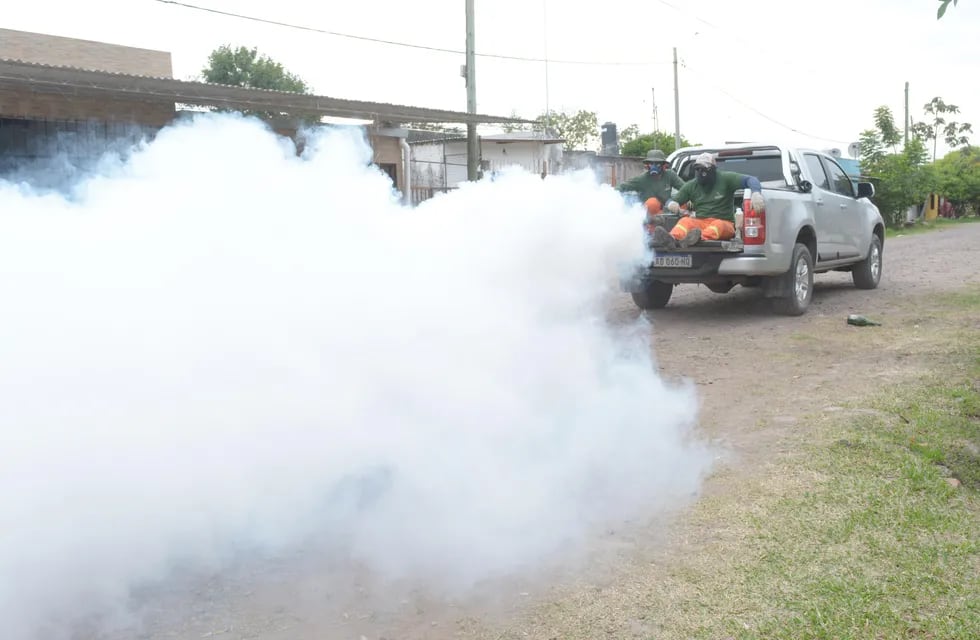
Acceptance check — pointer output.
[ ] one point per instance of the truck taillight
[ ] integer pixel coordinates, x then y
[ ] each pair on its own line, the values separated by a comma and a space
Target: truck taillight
753, 223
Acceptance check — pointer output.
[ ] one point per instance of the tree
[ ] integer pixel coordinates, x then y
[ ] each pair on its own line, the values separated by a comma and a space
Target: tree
579, 130
629, 133
958, 179
638, 145
943, 5
243, 67
902, 178
953, 133
511, 127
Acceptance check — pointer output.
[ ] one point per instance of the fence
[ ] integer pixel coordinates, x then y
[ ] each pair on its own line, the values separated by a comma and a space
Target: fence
421, 194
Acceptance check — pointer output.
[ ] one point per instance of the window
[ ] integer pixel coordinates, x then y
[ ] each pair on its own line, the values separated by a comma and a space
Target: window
839, 182
767, 168
816, 169
390, 169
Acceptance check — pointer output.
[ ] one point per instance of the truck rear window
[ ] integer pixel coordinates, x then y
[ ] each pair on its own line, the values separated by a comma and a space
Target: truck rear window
765, 168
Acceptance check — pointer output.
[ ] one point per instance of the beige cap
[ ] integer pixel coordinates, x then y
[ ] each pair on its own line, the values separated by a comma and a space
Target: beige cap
705, 160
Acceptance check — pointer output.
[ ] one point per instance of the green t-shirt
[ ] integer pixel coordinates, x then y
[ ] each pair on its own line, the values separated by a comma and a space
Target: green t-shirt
647, 186
716, 201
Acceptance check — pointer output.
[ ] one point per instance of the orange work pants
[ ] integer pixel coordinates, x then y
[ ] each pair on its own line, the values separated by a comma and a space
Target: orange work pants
711, 228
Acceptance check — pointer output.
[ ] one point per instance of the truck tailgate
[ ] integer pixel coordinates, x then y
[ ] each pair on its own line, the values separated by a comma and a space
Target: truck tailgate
693, 264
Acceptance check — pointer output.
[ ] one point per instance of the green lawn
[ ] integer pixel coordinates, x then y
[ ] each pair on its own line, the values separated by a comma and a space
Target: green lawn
868, 529
939, 224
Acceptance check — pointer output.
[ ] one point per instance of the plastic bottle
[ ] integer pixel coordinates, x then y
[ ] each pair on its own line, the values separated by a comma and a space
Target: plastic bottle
861, 321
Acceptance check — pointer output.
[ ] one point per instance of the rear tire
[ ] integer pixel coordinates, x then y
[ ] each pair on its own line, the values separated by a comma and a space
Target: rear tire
797, 284
654, 296
867, 273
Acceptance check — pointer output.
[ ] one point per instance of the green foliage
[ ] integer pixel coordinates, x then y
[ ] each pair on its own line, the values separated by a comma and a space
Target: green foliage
951, 132
638, 145
902, 179
243, 67
943, 5
885, 124
632, 132
958, 179
511, 127
579, 130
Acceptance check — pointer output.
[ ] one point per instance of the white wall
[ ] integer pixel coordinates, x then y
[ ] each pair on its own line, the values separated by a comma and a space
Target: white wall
535, 157
427, 165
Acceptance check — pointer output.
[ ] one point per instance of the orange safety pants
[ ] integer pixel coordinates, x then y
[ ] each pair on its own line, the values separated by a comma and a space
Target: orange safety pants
711, 228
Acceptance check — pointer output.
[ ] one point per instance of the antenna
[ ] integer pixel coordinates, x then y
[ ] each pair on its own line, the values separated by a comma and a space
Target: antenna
656, 119
854, 150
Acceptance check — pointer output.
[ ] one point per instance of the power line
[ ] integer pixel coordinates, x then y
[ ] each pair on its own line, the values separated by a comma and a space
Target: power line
767, 117
760, 53
693, 15
405, 44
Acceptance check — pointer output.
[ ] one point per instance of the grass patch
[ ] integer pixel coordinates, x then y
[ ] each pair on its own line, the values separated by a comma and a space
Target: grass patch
858, 532
933, 225
968, 300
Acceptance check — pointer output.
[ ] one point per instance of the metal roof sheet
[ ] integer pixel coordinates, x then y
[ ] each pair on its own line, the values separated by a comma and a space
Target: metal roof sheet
43, 78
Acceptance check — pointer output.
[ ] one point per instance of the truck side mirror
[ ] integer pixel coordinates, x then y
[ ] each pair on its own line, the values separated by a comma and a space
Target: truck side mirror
806, 186
866, 190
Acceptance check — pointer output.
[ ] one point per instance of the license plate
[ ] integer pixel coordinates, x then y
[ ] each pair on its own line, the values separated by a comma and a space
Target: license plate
669, 262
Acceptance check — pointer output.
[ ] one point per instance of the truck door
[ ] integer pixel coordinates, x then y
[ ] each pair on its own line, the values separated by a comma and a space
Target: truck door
826, 210
851, 221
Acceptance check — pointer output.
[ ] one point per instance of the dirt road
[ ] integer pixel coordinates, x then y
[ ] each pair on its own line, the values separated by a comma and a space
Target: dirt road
731, 344
758, 373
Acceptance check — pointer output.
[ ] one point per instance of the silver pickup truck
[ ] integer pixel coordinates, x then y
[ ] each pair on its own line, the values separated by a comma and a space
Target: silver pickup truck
817, 219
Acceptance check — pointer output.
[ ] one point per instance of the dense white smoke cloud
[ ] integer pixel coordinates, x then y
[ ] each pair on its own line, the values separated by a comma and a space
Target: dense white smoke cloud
218, 347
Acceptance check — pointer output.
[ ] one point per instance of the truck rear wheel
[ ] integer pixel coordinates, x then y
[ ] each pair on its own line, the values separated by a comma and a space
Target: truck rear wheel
654, 296
797, 284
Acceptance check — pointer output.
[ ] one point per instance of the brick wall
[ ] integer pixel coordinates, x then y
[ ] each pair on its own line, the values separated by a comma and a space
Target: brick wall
50, 106
84, 54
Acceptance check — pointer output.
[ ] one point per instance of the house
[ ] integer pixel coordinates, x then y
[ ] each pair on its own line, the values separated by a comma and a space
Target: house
64, 95
439, 158
608, 169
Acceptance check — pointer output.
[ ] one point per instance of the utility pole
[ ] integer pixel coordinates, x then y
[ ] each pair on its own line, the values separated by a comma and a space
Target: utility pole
906, 113
547, 101
677, 107
472, 143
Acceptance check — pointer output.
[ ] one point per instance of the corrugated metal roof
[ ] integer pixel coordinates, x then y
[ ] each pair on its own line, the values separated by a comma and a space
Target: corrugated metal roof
523, 136
416, 136
431, 137
43, 78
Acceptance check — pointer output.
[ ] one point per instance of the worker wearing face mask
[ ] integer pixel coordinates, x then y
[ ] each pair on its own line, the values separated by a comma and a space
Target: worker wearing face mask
711, 195
656, 182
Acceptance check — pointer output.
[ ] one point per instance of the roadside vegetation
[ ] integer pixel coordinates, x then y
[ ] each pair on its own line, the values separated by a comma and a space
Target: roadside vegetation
924, 226
866, 526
